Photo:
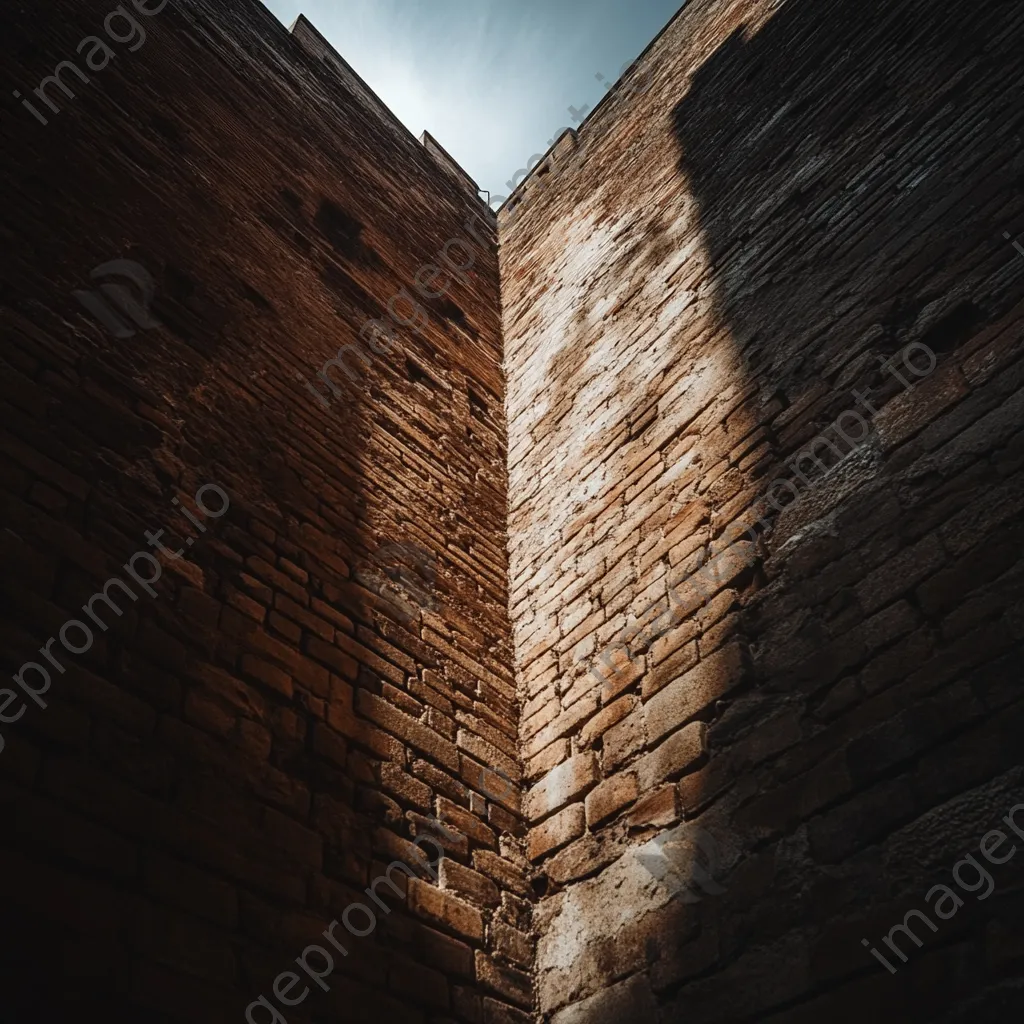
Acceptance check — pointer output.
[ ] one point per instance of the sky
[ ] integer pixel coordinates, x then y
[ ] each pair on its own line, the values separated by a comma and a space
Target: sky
492, 85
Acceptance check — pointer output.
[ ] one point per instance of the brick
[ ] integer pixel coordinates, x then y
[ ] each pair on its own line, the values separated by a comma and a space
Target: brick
677, 753
605, 719
512, 944
660, 809
440, 782
671, 668
300, 842
302, 669
583, 858
610, 797
447, 836
495, 787
623, 740
556, 832
495, 1012
328, 744
402, 786
343, 719
503, 872
270, 675
468, 1004
567, 722
418, 984
672, 640
552, 755
467, 823
445, 953
503, 822
233, 691
417, 735
561, 785
710, 680
333, 656
617, 669
912, 410
445, 909
507, 982
477, 888
488, 754
629, 1000
186, 887
898, 575
344, 828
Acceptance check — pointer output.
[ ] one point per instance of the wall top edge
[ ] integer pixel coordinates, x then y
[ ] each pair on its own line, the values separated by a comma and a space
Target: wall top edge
313, 41
543, 166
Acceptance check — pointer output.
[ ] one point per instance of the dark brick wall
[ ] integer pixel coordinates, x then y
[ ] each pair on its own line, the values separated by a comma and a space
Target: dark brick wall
693, 289
230, 764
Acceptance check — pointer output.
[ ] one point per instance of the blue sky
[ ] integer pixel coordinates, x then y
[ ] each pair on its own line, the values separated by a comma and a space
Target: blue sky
492, 82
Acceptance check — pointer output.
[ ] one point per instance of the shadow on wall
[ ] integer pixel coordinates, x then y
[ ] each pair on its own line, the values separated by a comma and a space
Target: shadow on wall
187, 814
855, 165
854, 172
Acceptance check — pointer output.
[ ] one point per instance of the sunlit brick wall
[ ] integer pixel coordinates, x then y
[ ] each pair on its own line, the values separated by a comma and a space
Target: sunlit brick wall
697, 290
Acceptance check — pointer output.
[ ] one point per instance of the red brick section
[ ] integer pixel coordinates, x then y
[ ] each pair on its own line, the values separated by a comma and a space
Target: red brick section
693, 288
235, 760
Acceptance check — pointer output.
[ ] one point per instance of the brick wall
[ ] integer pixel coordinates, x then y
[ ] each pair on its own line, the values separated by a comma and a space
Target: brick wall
234, 759
787, 654
694, 287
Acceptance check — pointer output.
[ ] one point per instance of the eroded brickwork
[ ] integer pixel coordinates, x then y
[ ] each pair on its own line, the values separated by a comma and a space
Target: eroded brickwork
694, 288
235, 759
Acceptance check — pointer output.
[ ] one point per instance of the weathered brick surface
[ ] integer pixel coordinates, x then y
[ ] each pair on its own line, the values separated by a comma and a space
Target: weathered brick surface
696, 291
698, 287
235, 760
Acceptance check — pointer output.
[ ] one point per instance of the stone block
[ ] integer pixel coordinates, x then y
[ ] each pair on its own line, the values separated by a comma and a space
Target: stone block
477, 888
507, 982
658, 809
